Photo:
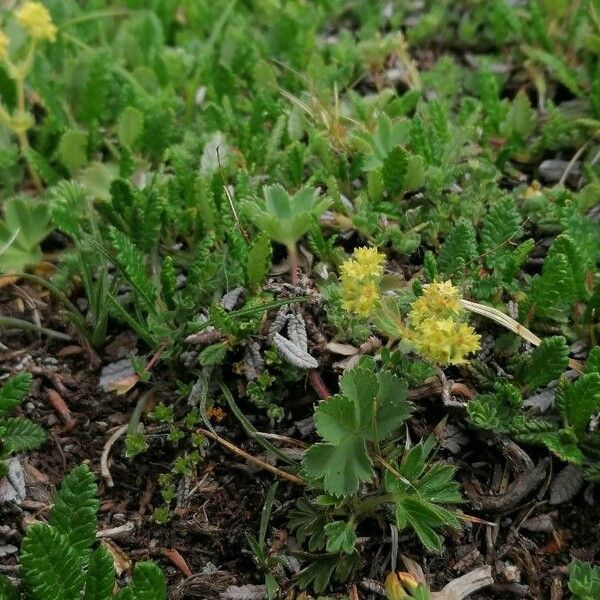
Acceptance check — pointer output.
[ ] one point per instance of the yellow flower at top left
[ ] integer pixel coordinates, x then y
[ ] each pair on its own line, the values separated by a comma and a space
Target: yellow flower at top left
35, 18
4, 41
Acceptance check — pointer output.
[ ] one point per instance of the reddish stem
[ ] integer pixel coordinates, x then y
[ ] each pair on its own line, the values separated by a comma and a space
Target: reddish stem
319, 385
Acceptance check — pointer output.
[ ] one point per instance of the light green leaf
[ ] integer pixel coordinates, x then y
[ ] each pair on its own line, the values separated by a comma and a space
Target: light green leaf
72, 149
26, 223
130, 125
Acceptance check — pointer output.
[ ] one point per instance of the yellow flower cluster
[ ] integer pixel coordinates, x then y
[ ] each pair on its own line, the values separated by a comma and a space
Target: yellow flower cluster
360, 277
4, 41
35, 18
435, 327
439, 300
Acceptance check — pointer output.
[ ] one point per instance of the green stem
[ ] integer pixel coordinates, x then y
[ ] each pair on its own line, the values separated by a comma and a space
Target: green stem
93, 16
27, 325
23, 70
370, 504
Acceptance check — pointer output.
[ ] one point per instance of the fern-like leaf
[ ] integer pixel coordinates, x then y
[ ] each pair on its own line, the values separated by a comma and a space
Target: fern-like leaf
458, 249
100, 576
548, 361
394, 170
564, 244
13, 392
549, 294
51, 567
501, 224
131, 262
148, 583
75, 509
258, 261
579, 401
168, 281
22, 434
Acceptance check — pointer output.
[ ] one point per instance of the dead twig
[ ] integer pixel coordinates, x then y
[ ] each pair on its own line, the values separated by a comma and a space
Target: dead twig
61, 408
517, 492
117, 433
175, 557
253, 459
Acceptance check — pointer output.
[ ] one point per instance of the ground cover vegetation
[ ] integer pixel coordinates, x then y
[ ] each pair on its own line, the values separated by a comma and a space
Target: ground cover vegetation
299, 299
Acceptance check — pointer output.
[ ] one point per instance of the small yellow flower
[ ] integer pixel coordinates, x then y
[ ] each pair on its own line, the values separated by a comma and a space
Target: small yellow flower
436, 328
360, 297
438, 300
360, 278
370, 259
4, 41
35, 18
444, 341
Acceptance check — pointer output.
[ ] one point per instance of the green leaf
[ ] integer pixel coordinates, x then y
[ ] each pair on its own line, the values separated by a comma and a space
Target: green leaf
213, 355
100, 576
258, 262
14, 391
394, 170
26, 223
318, 573
561, 443
550, 292
556, 67
459, 247
576, 287
592, 364
284, 218
131, 263
130, 126
22, 434
519, 120
420, 492
50, 566
500, 226
75, 509
40, 165
308, 521
342, 466
411, 511
371, 407
496, 410
148, 583
579, 400
584, 580
341, 537
7, 589
547, 362
72, 150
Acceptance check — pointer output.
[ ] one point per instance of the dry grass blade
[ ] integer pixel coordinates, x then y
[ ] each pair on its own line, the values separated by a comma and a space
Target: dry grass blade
512, 325
253, 459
